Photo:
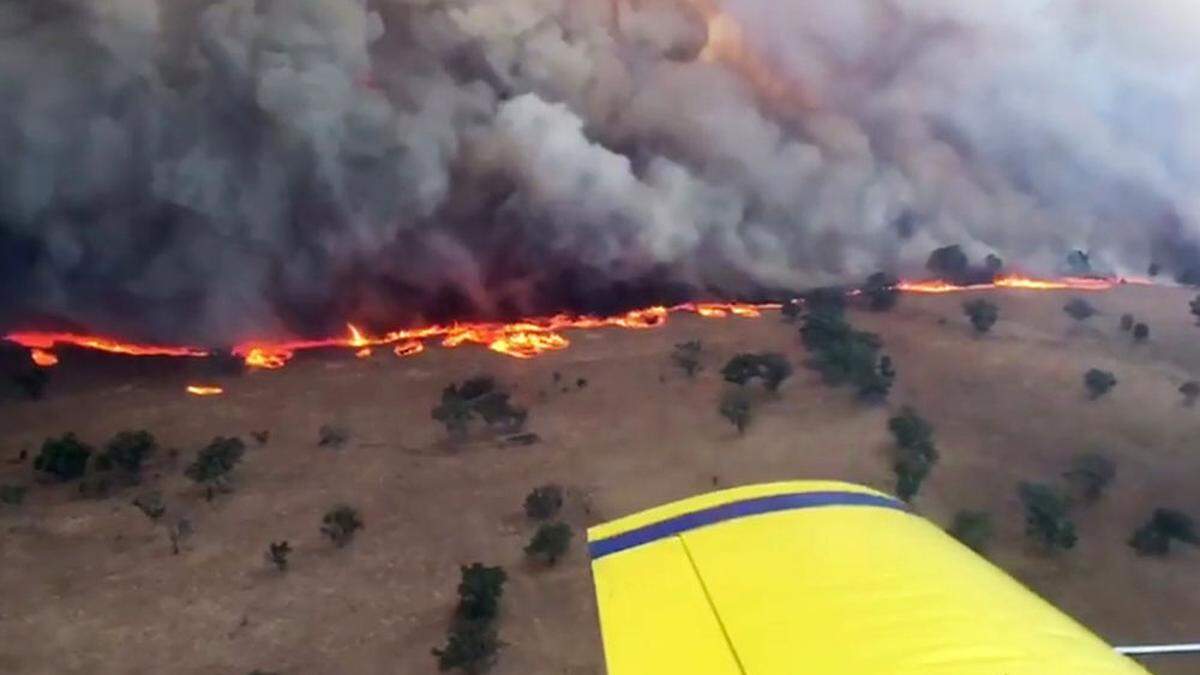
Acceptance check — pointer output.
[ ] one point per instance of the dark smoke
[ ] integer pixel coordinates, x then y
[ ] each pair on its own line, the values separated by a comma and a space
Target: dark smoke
214, 170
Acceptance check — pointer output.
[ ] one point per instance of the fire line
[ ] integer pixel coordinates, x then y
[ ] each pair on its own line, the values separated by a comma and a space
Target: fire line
523, 340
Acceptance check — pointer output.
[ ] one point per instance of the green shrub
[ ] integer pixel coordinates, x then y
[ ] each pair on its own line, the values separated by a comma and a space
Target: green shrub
64, 458
470, 647
1155, 536
340, 524
1046, 516
550, 542
126, 451
769, 367
543, 502
215, 462
983, 314
479, 592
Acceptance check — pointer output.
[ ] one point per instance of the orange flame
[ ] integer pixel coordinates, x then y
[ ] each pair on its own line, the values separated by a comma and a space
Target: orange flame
43, 358
35, 340
203, 390
409, 348
938, 286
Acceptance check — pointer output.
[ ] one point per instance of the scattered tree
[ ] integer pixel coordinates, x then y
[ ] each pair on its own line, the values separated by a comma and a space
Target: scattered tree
13, 495
340, 523
1098, 382
882, 292
983, 314
1127, 322
735, 407
471, 647
1079, 309
1190, 391
478, 397
214, 463
1154, 537
1141, 332
64, 458
277, 554
770, 367
550, 542
1091, 473
842, 354
126, 451
686, 356
543, 502
972, 528
915, 452
949, 262
479, 592
1046, 516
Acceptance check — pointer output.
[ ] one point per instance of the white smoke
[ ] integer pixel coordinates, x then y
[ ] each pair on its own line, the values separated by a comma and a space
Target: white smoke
220, 169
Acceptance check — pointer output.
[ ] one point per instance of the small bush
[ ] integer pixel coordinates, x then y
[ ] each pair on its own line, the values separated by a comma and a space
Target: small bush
983, 314
1098, 382
550, 542
470, 647
13, 495
340, 523
1190, 391
215, 462
770, 367
479, 592
543, 502
686, 356
126, 451
64, 458
1079, 309
478, 397
1127, 322
1091, 473
1141, 332
1164, 525
277, 554
972, 528
735, 407
1046, 516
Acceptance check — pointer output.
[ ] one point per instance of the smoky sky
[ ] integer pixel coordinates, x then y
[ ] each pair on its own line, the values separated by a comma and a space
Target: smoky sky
218, 170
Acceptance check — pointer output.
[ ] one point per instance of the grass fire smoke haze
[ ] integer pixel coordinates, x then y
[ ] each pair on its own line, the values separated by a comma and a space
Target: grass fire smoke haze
224, 171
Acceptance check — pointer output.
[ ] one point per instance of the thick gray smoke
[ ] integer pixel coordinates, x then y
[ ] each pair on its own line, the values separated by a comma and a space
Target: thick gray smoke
213, 170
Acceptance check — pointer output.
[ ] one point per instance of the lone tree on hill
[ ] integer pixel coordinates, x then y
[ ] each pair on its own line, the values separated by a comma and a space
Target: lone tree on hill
1098, 382
948, 261
881, 291
1079, 309
340, 523
214, 463
983, 314
543, 502
1190, 391
1046, 517
1154, 537
972, 528
735, 407
64, 458
686, 356
550, 542
1091, 473
769, 367
915, 452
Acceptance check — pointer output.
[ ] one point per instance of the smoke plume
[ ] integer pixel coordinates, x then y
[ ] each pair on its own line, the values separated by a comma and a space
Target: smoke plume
217, 170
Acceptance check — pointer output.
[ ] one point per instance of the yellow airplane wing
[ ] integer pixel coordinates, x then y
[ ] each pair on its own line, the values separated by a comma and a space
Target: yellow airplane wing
819, 577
